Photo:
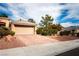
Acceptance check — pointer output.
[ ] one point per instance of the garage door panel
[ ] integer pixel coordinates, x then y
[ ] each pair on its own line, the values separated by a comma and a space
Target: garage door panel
24, 30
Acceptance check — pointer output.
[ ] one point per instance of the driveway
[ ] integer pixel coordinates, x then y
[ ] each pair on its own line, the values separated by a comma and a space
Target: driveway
34, 39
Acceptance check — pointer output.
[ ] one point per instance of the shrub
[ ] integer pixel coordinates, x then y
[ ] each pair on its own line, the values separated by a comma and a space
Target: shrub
64, 32
77, 34
49, 32
39, 30
46, 31
61, 33
73, 32
54, 31
12, 33
4, 31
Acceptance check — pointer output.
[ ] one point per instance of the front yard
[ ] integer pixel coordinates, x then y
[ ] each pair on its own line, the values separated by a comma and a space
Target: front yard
26, 40
64, 38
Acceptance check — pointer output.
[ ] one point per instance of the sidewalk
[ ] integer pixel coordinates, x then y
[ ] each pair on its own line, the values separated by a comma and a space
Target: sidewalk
42, 49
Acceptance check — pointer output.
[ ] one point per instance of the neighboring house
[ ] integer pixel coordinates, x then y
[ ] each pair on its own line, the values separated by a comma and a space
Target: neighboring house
76, 28
20, 27
71, 28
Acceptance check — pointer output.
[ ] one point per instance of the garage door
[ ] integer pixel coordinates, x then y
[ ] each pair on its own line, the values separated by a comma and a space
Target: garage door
24, 30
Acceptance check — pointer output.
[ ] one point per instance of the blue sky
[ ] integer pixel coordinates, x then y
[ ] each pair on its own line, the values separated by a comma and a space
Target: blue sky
67, 14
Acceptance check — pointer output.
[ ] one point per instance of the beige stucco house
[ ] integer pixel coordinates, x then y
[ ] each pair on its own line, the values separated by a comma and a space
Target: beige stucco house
77, 30
24, 27
4, 21
20, 27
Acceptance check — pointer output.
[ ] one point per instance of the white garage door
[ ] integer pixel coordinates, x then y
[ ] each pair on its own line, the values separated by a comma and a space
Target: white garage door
24, 30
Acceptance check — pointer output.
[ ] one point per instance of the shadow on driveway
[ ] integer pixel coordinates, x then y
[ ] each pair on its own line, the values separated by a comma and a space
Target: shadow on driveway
73, 52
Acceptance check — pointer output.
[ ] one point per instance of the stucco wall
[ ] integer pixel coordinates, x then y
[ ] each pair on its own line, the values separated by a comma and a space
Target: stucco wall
5, 21
78, 30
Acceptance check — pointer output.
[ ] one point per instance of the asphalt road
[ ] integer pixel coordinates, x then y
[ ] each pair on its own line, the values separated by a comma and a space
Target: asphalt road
73, 52
50, 49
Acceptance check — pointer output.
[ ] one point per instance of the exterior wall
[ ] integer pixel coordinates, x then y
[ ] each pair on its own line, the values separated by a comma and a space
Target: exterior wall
24, 30
78, 30
19, 29
35, 29
5, 21
13, 27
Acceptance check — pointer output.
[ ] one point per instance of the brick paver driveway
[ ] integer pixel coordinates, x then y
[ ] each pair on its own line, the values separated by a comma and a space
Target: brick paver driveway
25, 40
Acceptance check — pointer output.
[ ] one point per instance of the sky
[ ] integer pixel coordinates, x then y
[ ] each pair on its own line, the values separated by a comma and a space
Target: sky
67, 14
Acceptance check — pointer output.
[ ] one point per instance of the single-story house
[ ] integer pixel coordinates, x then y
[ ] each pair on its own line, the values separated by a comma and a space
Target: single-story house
20, 27
24, 27
76, 28
4, 21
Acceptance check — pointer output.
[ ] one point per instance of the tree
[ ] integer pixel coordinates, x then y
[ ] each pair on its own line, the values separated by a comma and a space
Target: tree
47, 27
4, 31
59, 27
31, 20
56, 26
44, 25
46, 21
3, 15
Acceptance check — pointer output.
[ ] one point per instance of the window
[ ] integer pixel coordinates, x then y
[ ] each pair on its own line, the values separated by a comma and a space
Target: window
2, 24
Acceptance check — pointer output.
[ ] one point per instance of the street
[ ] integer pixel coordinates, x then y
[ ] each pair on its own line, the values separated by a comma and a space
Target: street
47, 49
73, 52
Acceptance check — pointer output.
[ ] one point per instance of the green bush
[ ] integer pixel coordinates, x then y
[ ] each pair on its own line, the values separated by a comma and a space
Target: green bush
77, 34
65, 32
12, 33
4, 31
46, 31
61, 33
49, 32
73, 32
39, 30
54, 31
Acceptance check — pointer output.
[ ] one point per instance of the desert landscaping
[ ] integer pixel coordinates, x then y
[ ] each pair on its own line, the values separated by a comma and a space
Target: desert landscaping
24, 34
64, 38
41, 33
28, 40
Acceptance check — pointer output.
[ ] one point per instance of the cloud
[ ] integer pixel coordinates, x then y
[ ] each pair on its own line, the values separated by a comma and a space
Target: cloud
64, 13
67, 24
73, 10
69, 15
4, 9
37, 10
34, 10
18, 10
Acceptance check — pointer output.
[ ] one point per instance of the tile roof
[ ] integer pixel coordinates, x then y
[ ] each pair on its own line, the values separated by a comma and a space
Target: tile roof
23, 23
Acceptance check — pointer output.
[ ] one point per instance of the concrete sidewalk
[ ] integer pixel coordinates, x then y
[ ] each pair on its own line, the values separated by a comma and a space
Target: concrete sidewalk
42, 49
